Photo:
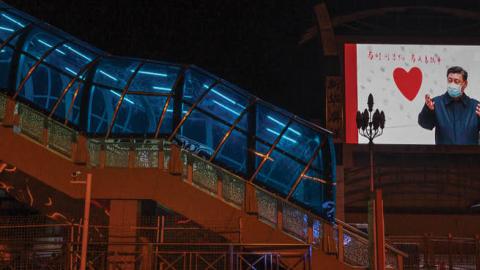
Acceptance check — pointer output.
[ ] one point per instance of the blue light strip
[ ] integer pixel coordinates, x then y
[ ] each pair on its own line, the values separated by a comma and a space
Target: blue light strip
118, 95
225, 97
49, 46
12, 20
108, 75
282, 124
150, 73
78, 53
70, 70
283, 137
162, 88
7, 29
170, 110
45, 43
226, 107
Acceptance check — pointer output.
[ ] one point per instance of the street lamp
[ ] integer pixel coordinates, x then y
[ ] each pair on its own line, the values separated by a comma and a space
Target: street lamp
370, 125
86, 214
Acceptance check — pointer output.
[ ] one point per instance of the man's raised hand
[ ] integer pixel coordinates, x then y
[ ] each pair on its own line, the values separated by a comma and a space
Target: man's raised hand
477, 111
431, 104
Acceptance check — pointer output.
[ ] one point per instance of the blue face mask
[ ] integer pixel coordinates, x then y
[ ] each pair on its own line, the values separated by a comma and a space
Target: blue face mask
454, 90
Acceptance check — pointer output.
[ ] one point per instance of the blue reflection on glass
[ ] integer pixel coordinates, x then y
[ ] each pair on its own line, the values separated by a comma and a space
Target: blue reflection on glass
108, 75
150, 73
49, 46
77, 52
226, 107
70, 70
6, 29
284, 136
311, 191
12, 20
118, 95
162, 88
283, 125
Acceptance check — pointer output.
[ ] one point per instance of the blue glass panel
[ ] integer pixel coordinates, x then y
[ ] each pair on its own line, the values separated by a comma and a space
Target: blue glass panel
5, 57
269, 123
319, 162
225, 104
279, 172
22, 16
167, 124
155, 78
299, 141
311, 192
44, 87
24, 64
233, 153
38, 42
260, 151
195, 84
65, 109
203, 132
330, 161
139, 114
102, 105
70, 58
114, 72
9, 24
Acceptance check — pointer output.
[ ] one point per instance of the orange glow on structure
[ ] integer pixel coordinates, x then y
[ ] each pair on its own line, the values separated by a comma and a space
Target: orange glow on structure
30, 196
5, 186
11, 170
57, 216
2, 167
260, 154
50, 202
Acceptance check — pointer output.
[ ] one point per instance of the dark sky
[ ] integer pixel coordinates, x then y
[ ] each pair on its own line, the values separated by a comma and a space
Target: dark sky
253, 44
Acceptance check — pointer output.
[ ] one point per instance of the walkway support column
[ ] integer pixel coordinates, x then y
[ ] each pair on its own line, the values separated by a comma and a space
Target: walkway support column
124, 216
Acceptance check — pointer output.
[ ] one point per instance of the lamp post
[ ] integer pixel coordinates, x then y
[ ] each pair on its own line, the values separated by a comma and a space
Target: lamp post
86, 215
370, 125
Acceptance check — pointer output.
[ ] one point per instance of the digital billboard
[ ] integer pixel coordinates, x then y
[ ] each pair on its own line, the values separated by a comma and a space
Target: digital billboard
429, 93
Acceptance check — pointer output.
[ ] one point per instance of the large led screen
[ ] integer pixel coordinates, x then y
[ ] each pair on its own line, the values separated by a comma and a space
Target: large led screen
429, 93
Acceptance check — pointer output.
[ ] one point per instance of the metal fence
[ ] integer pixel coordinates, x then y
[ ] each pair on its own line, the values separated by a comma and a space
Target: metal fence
36, 243
439, 252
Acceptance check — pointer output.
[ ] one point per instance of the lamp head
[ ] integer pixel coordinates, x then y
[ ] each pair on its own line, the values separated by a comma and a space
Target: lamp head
370, 102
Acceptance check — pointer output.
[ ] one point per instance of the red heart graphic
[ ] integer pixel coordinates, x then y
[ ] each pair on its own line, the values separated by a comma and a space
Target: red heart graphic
408, 82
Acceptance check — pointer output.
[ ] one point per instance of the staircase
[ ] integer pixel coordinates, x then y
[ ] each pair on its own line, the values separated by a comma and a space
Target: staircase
174, 134
188, 184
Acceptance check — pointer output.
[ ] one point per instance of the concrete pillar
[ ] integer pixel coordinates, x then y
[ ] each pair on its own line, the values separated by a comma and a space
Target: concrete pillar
123, 234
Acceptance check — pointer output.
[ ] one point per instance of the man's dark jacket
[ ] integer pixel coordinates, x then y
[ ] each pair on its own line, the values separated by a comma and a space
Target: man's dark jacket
455, 121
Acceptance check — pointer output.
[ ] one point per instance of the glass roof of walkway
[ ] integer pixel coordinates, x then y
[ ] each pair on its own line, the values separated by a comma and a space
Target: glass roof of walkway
116, 97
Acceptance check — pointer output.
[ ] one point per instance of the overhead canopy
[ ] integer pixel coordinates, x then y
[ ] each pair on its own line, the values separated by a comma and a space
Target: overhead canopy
116, 97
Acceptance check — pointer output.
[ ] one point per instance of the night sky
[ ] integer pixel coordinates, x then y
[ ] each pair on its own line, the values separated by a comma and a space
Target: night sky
253, 44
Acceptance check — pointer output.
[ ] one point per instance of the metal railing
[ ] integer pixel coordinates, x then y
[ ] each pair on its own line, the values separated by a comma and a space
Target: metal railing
3, 105
38, 244
439, 252
44, 130
65, 255
347, 243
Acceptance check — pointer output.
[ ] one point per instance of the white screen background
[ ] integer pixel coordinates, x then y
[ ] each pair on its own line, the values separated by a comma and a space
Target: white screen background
375, 66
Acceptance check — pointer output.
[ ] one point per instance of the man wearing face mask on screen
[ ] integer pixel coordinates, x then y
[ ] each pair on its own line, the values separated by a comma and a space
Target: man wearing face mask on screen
454, 115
